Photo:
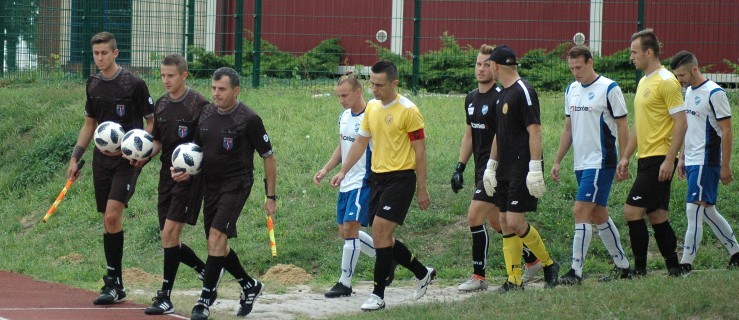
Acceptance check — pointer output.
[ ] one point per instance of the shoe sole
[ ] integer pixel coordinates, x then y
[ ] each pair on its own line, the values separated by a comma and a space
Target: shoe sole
474, 290
330, 296
370, 310
157, 313
106, 303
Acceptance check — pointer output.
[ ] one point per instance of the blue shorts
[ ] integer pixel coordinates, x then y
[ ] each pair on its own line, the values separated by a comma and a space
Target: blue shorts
594, 185
353, 206
703, 183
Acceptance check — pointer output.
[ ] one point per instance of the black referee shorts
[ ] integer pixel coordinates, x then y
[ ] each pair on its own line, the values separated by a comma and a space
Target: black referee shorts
391, 196
648, 192
223, 202
179, 202
113, 178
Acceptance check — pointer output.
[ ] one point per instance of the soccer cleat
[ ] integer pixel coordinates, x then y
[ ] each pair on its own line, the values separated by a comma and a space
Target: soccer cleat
734, 261
474, 283
374, 303
509, 286
161, 305
423, 284
200, 312
339, 290
676, 272
391, 277
530, 272
570, 278
551, 275
110, 293
214, 293
640, 272
686, 269
248, 297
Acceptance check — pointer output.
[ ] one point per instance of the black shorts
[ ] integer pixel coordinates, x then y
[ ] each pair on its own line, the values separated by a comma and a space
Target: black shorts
179, 202
481, 195
514, 196
223, 202
391, 196
113, 178
648, 192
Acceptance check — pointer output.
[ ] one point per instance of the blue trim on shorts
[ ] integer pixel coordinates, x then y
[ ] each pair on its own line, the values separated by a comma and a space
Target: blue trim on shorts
702, 183
594, 185
353, 205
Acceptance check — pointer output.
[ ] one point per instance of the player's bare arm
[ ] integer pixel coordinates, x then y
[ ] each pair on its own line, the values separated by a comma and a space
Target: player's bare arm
355, 152
622, 170
334, 161
678, 135
535, 147
270, 173
422, 193
726, 150
622, 125
465, 149
565, 142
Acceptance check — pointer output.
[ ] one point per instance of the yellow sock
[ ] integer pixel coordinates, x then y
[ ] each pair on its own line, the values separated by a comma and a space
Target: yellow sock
512, 249
536, 245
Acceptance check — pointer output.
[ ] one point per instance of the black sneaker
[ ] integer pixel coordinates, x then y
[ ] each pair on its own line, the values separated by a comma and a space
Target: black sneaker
676, 272
734, 261
110, 293
391, 277
640, 272
570, 278
508, 286
618, 273
200, 312
161, 305
686, 269
248, 297
339, 290
551, 275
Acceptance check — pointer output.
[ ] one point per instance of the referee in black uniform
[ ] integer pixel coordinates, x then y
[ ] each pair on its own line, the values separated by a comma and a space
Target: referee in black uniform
115, 94
175, 123
229, 133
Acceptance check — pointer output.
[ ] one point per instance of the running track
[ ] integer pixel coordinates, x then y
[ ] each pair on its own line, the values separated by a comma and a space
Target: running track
22, 297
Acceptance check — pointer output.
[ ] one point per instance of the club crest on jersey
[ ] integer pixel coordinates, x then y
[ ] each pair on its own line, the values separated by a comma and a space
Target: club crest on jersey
182, 131
265, 137
356, 127
697, 100
591, 95
228, 144
505, 108
120, 110
484, 109
647, 92
389, 118
470, 109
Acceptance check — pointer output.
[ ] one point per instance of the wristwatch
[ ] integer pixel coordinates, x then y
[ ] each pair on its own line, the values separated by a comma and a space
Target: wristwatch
272, 197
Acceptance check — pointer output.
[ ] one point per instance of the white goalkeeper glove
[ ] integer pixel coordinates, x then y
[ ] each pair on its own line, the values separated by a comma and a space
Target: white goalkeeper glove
535, 179
488, 178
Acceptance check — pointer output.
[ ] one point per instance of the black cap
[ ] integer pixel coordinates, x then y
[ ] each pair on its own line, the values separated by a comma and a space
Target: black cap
503, 55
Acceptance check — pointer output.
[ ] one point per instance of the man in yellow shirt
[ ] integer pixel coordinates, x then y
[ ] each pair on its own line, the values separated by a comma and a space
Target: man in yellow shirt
658, 132
395, 126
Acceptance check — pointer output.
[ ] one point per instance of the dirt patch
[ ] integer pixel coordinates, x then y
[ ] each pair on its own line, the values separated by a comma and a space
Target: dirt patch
74, 258
287, 274
139, 276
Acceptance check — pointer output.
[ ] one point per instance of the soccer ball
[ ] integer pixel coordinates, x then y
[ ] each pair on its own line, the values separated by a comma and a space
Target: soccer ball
137, 145
187, 157
108, 136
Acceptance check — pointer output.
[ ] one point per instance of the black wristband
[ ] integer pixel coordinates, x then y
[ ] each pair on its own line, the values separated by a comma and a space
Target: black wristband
272, 197
460, 167
77, 152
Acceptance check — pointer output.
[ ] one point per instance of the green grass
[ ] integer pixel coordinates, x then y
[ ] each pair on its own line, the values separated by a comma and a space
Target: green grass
40, 122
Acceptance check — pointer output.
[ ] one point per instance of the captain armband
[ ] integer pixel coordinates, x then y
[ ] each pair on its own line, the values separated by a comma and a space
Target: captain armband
416, 135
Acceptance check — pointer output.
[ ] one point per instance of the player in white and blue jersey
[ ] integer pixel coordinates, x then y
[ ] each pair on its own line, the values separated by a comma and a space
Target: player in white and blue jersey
596, 117
706, 158
353, 202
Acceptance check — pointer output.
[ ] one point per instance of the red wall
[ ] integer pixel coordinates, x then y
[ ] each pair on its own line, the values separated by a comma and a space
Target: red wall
710, 29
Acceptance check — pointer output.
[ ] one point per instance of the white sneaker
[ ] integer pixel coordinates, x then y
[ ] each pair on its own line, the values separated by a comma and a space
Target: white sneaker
474, 283
374, 303
423, 284
530, 273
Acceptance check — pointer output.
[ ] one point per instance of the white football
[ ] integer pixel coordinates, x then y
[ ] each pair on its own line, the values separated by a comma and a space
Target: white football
187, 157
108, 136
137, 145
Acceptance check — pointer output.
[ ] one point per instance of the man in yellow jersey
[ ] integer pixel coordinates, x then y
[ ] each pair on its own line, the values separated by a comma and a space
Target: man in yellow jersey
395, 126
658, 132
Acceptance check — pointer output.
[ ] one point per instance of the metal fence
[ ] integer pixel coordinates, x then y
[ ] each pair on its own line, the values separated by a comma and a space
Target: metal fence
278, 39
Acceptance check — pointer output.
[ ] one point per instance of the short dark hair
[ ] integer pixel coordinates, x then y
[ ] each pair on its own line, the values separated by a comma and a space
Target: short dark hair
580, 51
176, 60
683, 58
387, 67
228, 72
648, 40
104, 37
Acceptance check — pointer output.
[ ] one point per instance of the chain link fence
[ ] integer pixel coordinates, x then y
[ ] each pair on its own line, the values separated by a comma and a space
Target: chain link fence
308, 41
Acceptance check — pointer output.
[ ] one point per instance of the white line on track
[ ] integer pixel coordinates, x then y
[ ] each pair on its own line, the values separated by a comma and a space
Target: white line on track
42, 309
